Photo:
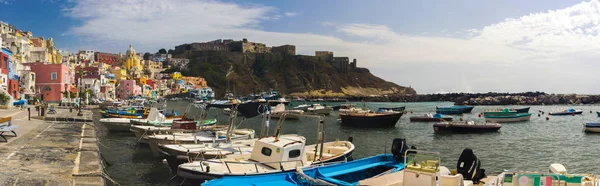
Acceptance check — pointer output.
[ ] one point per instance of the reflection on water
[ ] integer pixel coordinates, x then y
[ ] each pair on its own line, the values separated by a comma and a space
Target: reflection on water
532, 145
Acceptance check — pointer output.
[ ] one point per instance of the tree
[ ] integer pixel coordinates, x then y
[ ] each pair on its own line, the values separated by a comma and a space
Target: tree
147, 56
162, 51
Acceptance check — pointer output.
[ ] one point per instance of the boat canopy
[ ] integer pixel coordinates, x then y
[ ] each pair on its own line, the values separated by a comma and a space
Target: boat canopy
571, 110
438, 115
506, 110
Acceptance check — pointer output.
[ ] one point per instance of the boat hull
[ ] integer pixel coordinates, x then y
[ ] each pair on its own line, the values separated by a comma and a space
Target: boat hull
442, 127
522, 110
565, 113
356, 120
508, 119
592, 127
325, 111
428, 119
117, 126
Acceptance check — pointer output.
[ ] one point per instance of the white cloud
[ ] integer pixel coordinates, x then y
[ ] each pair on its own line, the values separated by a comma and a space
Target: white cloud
291, 14
554, 51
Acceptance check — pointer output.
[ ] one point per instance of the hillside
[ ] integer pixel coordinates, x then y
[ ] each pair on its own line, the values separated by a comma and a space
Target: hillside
292, 75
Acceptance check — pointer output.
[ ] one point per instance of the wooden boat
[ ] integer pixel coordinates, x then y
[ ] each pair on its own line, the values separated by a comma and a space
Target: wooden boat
522, 109
381, 119
178, 154
591, 127
397, 109
465, 127
464, 109
516, 117
566, 112
147, 130
448, 110
430, 118
269, 155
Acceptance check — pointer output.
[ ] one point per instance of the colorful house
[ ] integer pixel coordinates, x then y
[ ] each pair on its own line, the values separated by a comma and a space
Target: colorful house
10, 81
128, 88
51, 80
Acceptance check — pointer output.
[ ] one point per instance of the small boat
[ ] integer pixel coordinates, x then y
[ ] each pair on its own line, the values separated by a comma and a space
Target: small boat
464, 109
223, 103
598, 113
566, 112
516, 117
555, 174
397, 109
448, 110
522, 109
591, 127
377, 119
197, 137
116, 124
303, 107
269, 155
147, 130
278, 101
430, 118
318, 109
465, 127
355, 172
279, 110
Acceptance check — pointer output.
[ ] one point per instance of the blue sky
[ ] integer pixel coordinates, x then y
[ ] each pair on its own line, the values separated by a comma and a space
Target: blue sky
505, 46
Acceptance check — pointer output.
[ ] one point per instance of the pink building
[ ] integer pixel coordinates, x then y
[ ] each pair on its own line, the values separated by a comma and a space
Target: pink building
128, 88
52, 80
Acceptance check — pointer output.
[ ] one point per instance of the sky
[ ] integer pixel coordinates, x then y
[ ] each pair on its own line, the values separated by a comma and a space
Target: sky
432, 46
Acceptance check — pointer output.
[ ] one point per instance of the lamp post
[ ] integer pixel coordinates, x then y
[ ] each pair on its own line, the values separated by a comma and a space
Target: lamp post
81, 73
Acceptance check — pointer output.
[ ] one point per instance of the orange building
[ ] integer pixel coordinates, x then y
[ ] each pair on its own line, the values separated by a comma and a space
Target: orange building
198, 82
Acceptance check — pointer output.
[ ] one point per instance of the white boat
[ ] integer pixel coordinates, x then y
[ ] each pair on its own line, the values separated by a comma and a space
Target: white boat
517, 117
319, 109
556, 175
116, 124
303, 107
197, 137
198, 101
279, 110
144, 130
269, 155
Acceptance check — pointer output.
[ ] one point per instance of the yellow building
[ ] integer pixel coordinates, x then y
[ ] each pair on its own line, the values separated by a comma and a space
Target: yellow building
131, 63
141, 81
120, 74
176, 76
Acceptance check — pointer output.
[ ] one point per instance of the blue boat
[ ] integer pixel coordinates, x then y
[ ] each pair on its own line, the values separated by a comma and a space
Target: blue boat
347, 173
463, 109
448, 110
566, 112
598, 114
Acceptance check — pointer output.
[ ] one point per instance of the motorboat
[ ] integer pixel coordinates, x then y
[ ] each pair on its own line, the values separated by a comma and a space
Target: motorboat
506, 111
370, 119
318, 109
430, 118
397, 109
556, 174
196, 137
147, 130
278, 101
516, 117
303, 107
591, 127
566, 112
448, 110
465, 127
116, 124
279, 111
269, 155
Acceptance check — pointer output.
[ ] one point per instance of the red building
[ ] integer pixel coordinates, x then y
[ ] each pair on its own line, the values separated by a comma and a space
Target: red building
90, 72
108, 58
13, 88
52, 80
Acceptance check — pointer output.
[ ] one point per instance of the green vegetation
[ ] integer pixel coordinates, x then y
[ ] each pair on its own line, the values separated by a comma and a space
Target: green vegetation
4, 98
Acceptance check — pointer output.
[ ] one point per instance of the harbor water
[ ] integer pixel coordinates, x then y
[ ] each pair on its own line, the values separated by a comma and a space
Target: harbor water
532, 145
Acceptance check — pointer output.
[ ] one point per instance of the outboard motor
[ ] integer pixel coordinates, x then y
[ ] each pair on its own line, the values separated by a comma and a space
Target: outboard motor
399, 147
469, 166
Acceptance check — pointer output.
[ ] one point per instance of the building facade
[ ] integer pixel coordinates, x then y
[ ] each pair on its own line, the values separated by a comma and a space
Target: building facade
51, 80
107, 58
196, 82
127, 88
284, 49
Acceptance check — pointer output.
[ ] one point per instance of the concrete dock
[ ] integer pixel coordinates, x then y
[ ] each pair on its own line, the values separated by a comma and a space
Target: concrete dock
51, 152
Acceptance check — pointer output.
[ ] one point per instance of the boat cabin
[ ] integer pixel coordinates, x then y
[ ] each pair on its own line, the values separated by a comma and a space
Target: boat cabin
283, 152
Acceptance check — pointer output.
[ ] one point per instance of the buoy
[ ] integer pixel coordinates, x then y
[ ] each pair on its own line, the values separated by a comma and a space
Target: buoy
479, 115
573, 114
350, 139
547, 118
539, 115
410, 112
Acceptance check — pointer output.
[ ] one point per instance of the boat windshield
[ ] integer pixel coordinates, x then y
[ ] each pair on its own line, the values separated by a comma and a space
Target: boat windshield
422, 160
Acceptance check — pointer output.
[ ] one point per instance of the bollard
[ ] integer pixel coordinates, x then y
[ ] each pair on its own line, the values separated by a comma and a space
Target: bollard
71, 109
29, 113
43, 111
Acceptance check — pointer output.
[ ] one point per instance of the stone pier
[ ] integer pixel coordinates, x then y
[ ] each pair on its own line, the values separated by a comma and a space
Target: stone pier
61, 151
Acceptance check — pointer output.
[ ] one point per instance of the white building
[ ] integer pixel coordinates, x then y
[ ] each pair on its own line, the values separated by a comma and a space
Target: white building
85, 55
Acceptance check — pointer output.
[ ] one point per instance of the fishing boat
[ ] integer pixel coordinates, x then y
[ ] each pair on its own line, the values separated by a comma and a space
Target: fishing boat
116, 124
269, 155
202, 136
506, 111
556, 174
148, 130
465, 127
397, 109
279, 110
566, 112
516, 117
371, 119
463, 108
169, 122
224, 103
355, 172
448, 110
522, 109
591, 127
318, 109
430, 118
598, 113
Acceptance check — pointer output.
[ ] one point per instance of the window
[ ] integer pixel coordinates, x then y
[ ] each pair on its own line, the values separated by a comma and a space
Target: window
266, 151
294, 153
53, 76
32, 77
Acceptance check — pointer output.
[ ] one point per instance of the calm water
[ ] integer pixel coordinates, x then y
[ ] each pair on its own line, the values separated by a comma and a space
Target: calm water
532, 145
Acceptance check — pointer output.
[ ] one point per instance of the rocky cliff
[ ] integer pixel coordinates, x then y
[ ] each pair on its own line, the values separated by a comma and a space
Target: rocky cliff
292, 75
